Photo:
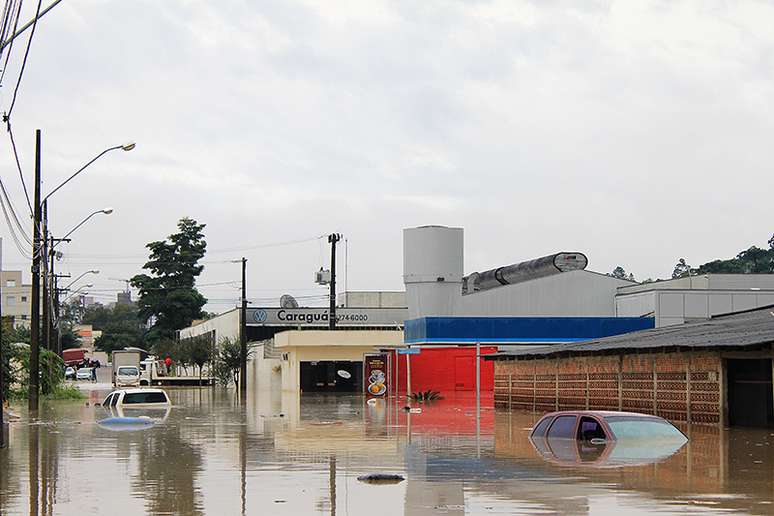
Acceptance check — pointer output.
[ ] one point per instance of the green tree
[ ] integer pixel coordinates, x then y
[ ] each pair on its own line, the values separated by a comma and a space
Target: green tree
69, 338
227, 361
682, 269
199, 352
119, 325
12, 373
753, 260
620, 273
168, 297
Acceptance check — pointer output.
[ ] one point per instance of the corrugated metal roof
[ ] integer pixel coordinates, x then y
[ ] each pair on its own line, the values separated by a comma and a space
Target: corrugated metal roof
743, 329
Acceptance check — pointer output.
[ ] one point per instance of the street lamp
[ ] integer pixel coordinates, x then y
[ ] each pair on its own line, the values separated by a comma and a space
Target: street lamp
79, 277
126, 147
79, 291
37, 231
106, 211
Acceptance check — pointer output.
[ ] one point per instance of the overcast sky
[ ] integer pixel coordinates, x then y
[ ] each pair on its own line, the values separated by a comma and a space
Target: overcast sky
635, 132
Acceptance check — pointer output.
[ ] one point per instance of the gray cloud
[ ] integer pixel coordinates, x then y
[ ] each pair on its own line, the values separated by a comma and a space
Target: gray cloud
636, 132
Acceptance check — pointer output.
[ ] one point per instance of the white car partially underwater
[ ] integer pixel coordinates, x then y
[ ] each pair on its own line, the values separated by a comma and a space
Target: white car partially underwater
137, 398
135, 409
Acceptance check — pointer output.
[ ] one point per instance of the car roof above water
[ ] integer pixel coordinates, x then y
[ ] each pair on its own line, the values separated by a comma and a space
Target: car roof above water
600, 413
132, 391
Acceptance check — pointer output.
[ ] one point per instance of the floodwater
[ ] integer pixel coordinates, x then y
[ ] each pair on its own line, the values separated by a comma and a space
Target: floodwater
211, 455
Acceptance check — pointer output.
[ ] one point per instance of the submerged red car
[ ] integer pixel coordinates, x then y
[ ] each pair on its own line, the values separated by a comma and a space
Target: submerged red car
600, 438
585, 425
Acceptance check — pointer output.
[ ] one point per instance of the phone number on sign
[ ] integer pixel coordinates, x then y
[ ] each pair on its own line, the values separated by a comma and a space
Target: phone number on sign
352, 317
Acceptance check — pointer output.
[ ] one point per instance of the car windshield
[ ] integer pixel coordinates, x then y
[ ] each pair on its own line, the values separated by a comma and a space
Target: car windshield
128, 371
642, 428
144, 397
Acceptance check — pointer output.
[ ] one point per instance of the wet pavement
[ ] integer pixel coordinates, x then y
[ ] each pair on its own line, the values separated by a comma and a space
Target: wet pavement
210, 455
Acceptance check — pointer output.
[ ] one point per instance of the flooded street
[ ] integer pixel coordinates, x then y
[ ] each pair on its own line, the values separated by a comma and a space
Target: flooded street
209, 455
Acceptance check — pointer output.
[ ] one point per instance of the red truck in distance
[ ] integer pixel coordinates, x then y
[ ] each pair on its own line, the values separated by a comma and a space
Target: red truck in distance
74, 357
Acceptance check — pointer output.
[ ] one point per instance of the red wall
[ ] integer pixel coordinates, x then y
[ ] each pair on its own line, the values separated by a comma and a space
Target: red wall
446, 369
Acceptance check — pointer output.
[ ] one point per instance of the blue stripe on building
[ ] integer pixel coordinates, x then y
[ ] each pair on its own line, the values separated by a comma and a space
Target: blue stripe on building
442, 330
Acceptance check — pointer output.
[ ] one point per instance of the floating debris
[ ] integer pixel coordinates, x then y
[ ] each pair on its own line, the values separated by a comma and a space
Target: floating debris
381, 478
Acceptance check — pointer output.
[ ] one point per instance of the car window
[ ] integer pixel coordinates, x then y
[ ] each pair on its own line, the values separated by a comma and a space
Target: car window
114, 401
589, 428
563, 427
642, 427
541, 427
128, 371
144, 397
107, 400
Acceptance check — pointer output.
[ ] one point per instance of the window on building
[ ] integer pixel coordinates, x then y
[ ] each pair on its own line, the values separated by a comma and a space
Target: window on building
10, 300
10, 283
24, 317
24, 299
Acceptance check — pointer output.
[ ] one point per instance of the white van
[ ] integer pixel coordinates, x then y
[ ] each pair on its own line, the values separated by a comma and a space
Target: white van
127, 375
137, 398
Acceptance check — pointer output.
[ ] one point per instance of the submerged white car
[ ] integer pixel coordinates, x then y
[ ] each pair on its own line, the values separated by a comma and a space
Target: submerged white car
137, 398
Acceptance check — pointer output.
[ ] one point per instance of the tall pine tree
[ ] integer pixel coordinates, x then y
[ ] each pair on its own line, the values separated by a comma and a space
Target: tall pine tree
168, 296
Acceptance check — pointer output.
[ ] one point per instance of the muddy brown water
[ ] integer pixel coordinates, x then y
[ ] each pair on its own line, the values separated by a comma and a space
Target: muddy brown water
290, 455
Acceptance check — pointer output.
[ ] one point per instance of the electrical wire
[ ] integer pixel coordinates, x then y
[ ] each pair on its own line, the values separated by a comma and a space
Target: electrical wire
10, 45
24, 63
18, 166
16, 241
209, 251
4, 194
263, 246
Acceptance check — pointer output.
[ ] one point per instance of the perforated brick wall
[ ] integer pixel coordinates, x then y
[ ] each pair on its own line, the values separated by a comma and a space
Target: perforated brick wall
681, 387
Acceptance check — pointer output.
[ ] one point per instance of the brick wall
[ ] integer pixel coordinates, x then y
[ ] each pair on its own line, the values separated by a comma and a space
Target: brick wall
677, 386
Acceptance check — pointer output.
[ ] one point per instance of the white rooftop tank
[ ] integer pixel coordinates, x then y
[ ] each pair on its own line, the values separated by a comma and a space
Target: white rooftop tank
432, 270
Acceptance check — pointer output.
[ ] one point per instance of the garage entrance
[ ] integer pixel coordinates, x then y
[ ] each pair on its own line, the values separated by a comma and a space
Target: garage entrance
323, 376
750, 398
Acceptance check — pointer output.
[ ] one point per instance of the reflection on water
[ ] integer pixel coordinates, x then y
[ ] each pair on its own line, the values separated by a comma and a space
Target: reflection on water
211, 455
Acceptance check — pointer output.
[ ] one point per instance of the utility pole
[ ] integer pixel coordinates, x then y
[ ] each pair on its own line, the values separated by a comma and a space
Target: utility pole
243, 335
34, 379
333, 238
53, 294
2, 361
46, 292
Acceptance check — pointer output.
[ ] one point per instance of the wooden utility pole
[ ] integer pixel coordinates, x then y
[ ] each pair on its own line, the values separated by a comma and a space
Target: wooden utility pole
333, 238
243, 334
2, 363
34, 379
46, 327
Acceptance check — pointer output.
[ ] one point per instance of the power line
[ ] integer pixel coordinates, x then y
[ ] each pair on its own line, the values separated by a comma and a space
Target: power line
209, 251
24, 63
10, 45
11, 208
18, 165
19, 245
263, 246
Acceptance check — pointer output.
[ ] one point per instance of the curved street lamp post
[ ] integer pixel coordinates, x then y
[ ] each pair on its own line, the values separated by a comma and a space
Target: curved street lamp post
39, 244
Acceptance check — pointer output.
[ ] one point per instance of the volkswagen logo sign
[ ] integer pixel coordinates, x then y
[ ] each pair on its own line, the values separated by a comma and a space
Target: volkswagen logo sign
259, 316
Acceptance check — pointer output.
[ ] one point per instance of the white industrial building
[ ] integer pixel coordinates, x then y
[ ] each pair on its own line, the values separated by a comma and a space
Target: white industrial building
555, 285
694, 298
559, 286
